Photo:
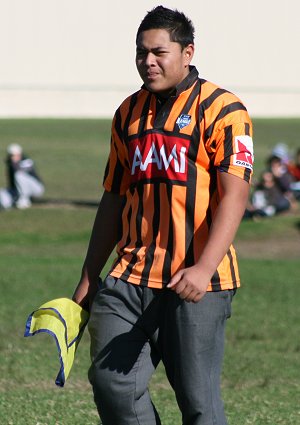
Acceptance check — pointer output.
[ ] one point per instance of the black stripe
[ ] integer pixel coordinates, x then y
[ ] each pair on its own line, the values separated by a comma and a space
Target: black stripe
247, 175
215, 281
247, 129
118, 124
233, 275
128, 219
228, 149
144, 114
129, 214
132, 104
196, 135
106, 171
191, 196
212, 190
205, 104
118, 129
190, 216
117, 176
159, 131
228, 109
149, 258
186, 108
164, 112
159, 180
128, 270
166, 271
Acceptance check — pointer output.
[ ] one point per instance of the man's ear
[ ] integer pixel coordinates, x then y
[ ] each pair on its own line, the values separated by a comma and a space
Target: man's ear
189, 53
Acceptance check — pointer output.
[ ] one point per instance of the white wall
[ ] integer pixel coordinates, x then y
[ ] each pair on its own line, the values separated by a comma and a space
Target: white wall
76, 57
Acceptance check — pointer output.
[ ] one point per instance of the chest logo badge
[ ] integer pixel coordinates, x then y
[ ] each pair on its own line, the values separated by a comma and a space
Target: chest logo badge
183, 120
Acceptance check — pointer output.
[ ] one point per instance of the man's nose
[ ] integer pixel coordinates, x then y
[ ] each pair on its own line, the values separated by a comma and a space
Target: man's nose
150, 59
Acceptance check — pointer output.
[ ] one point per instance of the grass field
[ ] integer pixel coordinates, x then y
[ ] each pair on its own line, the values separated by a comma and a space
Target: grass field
41, 252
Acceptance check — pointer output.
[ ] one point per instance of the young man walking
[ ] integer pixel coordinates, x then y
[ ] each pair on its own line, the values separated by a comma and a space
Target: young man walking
176, 186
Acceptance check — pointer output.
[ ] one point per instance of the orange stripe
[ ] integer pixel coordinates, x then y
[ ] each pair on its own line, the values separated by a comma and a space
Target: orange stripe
162, 237
178, 214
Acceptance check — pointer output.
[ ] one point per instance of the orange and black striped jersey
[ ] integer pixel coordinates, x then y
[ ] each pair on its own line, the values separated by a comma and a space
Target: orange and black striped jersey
164, 158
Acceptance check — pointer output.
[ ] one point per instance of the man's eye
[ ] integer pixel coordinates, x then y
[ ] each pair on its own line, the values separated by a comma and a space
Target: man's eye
141, 53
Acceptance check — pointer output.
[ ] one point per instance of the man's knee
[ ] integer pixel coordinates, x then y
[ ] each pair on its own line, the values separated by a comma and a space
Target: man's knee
111, 391
113, 397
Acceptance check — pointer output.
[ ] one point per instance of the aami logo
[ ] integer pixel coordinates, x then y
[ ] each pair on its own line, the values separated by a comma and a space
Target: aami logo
158, 156
244, 152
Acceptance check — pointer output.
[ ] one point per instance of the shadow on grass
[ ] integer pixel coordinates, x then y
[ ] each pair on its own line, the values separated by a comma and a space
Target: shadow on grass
61, 202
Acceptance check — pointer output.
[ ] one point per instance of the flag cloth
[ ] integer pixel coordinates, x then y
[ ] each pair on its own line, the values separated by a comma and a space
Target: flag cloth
65, 321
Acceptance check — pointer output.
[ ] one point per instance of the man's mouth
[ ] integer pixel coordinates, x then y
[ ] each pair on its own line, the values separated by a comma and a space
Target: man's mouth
152, 75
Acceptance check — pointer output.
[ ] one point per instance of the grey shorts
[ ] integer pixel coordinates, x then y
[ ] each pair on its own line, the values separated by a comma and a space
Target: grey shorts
132, 328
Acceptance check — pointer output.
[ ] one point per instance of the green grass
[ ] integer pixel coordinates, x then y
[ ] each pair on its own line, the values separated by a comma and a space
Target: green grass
70, 155
41, 253
278, 227
269, 132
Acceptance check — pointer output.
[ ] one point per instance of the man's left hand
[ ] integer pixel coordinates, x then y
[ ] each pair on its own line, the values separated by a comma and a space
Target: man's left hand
190, 284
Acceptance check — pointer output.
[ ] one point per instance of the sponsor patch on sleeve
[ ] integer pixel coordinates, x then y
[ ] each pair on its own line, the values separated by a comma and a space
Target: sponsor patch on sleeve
243, 156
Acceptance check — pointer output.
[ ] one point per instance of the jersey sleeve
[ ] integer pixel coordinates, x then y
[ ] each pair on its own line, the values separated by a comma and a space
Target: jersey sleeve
117, 174
232, 146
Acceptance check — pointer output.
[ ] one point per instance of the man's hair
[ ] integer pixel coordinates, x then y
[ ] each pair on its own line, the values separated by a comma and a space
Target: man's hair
179, 26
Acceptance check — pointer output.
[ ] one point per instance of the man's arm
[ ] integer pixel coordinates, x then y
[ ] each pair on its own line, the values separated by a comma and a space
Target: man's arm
191, 283
103, 240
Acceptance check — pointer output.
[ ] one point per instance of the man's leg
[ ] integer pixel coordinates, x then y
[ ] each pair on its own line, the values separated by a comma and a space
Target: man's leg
123, 359
192, 341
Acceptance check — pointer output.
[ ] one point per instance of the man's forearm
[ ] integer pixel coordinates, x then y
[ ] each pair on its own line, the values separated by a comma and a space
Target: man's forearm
191, 283
222, 233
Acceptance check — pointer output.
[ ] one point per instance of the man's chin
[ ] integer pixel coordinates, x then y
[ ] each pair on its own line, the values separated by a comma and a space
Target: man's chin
157, 89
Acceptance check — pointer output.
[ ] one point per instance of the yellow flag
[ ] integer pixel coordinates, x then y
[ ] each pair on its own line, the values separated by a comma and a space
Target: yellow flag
65, 321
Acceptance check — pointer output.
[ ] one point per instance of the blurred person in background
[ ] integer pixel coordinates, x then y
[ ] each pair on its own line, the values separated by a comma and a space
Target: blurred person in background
281, 151
273, 193
281, 174
267, 198
294, 170
23, 182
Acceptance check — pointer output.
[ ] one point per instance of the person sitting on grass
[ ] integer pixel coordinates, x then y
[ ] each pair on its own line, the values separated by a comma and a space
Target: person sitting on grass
267, 198
24, 184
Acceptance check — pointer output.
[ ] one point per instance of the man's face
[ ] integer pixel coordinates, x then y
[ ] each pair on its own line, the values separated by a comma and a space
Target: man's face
161, 63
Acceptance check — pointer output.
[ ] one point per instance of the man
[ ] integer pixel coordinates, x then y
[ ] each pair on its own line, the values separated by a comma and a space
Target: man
176, 186
24, 184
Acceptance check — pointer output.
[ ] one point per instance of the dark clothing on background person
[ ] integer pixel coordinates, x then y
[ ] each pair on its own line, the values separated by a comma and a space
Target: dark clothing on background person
26, 165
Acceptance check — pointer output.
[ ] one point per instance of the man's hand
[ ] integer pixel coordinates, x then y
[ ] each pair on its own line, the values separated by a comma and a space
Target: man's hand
190, 284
